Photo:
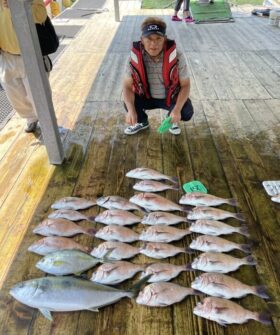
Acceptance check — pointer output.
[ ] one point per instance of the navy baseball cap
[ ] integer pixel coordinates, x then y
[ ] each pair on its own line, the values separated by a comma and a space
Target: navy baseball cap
150, 29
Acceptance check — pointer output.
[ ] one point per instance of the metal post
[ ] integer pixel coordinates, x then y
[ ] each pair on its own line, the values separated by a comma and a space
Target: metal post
117, 10
38, 81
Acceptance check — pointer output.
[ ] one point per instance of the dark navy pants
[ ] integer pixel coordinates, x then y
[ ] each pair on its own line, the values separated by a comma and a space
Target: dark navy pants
142, 105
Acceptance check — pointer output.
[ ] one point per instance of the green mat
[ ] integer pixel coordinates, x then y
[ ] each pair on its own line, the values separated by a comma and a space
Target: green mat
219, 11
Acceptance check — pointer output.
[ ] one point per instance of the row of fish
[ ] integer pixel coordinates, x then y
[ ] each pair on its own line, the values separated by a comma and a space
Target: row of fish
64, 259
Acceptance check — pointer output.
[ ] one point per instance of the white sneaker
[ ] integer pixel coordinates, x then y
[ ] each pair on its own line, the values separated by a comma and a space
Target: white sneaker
175, 130
131, 130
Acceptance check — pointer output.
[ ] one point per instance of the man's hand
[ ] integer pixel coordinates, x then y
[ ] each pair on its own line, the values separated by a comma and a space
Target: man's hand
175, 115
131, 118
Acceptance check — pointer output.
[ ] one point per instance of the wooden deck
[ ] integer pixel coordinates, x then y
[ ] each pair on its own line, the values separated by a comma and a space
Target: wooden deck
231, 145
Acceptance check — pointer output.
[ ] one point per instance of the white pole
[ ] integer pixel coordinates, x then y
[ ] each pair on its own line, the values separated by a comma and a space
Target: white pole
117, 10
38, 81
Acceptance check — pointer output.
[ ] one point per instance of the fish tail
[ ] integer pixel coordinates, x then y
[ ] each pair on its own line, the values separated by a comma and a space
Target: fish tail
174, 180
175, 187
244, 230
246, 248
189, 267
250, 260
190, 251
186, 209
90, 231
263, 317
196, 292
91, 218
239, 216
134, 290
232, 202
261, 291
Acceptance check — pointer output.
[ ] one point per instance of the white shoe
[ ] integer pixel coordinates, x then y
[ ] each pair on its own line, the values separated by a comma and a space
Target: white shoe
175, 130
131, 130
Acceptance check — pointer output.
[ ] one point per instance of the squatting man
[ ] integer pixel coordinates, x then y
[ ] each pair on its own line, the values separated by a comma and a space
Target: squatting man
156, 77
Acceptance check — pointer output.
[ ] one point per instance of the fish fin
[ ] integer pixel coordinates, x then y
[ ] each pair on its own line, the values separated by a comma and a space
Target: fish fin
250, 260
91, 218
91, 231
219, 285
46, 313
106, 257
260, 291
239, 216
243, 230
214, 262
219, 310
222, 323
94, 309
232, 202
264, 318
247, 248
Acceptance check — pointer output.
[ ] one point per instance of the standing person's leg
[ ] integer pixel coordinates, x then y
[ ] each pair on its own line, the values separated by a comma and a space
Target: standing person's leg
176, 10
12, 74
141, 105
187, 15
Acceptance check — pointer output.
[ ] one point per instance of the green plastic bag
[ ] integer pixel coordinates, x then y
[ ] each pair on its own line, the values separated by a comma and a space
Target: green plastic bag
165, 125
194, 186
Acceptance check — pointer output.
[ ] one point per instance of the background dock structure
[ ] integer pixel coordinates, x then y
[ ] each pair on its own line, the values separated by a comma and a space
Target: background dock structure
231, 145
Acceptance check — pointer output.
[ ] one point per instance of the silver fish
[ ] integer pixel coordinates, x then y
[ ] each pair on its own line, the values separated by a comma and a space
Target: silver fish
155, 202
65, 294
219, 262
217, 244
216, 228
69, 214
117, 233
210, 213
163, 271
160, 250
74, 203
162, 218
117, 202
153, 186
118, 250
276, 198
117, 217
227, 287
163, 294
226, 312
202, 199
146, 173
50, 244
115, 273
61, 227
161, 233
65, 262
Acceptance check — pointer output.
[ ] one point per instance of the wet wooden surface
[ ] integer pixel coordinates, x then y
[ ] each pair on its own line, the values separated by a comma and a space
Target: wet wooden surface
231, 145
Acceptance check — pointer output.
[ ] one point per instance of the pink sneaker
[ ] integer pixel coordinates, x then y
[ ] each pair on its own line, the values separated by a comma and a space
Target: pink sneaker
188, 19
175, 18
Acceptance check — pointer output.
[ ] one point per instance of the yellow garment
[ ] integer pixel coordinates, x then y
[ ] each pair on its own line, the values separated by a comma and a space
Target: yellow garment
55, 9
67, 3
8, 38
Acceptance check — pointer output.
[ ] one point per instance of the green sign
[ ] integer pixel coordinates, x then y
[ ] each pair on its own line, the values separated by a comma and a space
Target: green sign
194, 186
165, 125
